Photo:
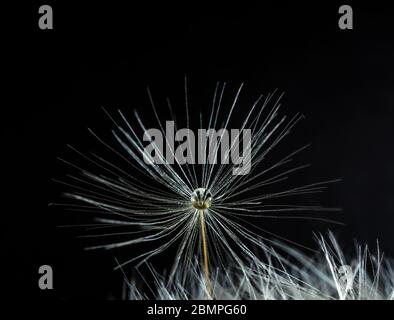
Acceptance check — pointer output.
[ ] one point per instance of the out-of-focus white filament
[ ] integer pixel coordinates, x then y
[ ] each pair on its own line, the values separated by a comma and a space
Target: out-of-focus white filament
327, 276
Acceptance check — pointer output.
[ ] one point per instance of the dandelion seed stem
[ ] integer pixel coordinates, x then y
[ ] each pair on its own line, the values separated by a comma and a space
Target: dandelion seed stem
205, 254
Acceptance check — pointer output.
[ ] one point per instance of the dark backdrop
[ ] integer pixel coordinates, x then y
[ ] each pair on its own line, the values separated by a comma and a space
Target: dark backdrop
107, 54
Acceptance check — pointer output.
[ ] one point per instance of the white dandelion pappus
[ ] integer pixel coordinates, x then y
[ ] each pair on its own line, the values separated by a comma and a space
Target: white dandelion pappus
329, 275
201, 209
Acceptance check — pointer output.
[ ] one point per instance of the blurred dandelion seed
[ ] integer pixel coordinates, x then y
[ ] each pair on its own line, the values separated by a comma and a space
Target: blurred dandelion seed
202, 209
329, 275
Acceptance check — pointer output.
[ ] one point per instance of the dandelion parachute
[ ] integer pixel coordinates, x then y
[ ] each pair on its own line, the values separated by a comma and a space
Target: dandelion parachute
156, 204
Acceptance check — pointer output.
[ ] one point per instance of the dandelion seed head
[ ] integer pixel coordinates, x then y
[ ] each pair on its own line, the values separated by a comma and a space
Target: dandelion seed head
201, 199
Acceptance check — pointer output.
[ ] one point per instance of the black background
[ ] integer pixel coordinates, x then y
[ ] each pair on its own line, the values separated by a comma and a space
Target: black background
107, 54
